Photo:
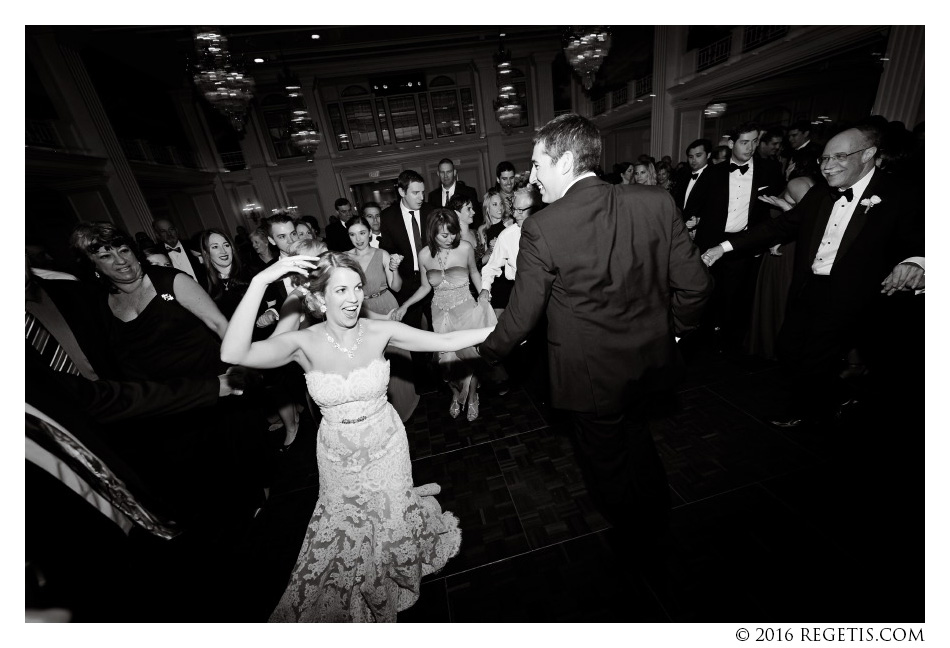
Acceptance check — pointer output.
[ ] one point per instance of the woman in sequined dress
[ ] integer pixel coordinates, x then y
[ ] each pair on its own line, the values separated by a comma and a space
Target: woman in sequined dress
449, 264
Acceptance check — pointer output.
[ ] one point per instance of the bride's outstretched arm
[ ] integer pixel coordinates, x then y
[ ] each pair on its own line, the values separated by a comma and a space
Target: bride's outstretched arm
236, 347
413, 339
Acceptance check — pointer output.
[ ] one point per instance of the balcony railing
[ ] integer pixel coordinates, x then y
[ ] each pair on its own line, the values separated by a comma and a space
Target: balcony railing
618, 97
42, 133
599, 106
233, 161
643, 86
758, 35
144, 151
714, 54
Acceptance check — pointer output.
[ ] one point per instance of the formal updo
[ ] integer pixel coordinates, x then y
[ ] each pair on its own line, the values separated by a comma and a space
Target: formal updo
316, 282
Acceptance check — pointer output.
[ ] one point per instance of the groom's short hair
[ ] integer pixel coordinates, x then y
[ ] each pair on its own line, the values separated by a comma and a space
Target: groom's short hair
571, 133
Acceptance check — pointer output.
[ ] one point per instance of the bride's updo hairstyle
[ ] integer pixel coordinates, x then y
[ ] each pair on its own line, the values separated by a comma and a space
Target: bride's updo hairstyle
319, 277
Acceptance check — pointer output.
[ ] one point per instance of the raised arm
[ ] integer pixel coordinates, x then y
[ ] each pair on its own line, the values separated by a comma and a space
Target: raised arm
413, 339
290, 312
237, 348
390, 265
196, 300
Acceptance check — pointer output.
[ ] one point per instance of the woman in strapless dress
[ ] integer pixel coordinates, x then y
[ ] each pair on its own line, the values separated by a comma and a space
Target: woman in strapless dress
373, 534
449, 264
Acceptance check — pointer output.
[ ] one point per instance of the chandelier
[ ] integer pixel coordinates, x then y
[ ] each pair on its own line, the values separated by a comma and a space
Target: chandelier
223, 84
585, 49
507, 108
304, 134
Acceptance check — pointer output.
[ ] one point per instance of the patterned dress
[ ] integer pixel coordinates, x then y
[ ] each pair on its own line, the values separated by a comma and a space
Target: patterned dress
373, 535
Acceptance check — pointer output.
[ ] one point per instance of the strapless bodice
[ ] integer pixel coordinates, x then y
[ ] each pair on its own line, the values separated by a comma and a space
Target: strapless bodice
451, 287
352, 398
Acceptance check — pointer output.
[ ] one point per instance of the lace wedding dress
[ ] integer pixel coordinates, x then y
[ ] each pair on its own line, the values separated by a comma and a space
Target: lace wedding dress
373, 535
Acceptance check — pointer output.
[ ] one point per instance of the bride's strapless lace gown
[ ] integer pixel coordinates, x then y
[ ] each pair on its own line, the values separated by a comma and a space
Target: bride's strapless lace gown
373, 535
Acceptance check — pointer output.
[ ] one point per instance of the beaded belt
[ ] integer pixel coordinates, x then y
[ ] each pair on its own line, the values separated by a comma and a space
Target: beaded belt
376, 294
356, 420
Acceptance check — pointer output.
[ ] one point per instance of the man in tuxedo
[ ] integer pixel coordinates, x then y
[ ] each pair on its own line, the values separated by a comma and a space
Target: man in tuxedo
188, 261
799, 137
618, 277
730, 204
688, 194
281, 232
451, 186
371, 213
860, 240
337, 238
403, 228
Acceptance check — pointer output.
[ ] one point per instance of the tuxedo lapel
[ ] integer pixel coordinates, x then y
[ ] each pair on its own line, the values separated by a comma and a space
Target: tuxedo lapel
859, 218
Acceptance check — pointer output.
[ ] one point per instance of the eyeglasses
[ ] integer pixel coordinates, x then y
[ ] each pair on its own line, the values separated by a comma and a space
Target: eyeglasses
839, 157
521, 210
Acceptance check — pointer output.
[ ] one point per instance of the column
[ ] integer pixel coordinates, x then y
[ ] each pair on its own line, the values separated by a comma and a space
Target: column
668, 44
901, 89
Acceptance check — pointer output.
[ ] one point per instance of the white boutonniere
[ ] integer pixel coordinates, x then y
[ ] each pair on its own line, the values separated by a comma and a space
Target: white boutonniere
867, 203
167, 297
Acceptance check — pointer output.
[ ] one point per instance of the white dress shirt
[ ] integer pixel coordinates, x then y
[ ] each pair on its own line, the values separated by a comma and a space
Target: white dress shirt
447, 192
841, 214
504, 257
740, 195
412, 243
180, 260
374, 239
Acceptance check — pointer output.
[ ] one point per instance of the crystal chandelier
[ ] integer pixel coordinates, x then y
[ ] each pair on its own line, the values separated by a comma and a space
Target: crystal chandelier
585, 49
507, 108
304, 134
223, 84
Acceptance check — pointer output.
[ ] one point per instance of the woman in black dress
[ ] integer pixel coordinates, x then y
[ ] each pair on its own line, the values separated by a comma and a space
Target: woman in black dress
227, 277
161, 325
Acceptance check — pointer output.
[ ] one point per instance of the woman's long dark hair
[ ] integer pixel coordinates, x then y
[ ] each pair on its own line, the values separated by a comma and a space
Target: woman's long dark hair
437, 219
215, 282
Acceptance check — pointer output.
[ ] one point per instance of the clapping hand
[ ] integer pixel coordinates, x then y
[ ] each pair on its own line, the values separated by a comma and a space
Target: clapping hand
775, 201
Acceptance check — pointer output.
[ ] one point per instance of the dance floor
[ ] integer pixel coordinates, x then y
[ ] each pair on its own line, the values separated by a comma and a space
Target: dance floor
767, 525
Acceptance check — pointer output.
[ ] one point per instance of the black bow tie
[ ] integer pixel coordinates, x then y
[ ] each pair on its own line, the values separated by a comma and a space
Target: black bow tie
742, 167
847, 194
694, 175
173, 249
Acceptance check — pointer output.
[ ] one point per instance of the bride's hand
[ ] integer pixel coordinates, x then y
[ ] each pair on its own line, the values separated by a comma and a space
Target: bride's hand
301, 264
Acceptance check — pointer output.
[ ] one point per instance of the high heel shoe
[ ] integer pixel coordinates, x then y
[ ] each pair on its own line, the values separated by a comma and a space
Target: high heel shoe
455, 408
284, 448
472, 412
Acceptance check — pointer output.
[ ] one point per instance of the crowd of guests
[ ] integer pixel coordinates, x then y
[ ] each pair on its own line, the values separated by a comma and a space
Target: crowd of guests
135, 338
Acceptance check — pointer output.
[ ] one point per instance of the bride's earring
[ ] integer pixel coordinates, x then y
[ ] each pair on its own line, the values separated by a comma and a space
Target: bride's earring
96, 272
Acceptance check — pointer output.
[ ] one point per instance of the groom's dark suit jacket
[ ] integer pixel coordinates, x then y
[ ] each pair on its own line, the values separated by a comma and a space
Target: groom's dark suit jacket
617, 275
395, 238
874, 242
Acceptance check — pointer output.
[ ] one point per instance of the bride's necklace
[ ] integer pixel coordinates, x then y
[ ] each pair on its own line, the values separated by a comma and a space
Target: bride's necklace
349, 352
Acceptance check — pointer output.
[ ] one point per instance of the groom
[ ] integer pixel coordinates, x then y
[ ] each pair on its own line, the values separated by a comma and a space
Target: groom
617, 275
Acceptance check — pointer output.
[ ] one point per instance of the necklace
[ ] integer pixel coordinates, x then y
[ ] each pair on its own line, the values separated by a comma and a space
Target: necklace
349, 352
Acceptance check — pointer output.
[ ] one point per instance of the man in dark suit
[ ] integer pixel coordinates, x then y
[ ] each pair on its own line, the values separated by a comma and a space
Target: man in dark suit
618, 277
799, 139
861, 233
730, 204
281, 232
403, 229
182, 258
338, 240
689, 193
451, 186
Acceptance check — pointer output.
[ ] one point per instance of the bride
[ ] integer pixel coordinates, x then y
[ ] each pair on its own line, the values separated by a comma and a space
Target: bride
373, 535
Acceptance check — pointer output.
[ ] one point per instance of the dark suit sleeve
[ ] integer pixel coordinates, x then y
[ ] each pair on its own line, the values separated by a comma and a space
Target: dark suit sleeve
690, 282
781, 229
529, 297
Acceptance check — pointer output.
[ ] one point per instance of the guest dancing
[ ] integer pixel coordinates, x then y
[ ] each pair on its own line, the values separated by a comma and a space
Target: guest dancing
227, 278
497, 218
373, 535
449, 264
381, 271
